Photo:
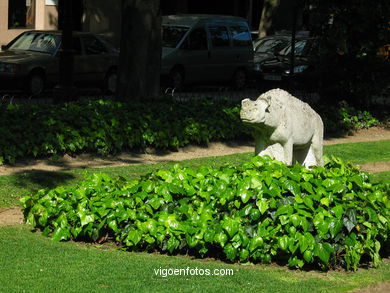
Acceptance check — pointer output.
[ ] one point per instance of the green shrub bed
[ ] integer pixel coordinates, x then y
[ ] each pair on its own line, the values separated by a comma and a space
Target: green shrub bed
107, 127
260, 211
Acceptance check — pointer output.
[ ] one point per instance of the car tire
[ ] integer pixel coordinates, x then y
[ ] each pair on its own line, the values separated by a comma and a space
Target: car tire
111, 81
36, 83
176, 78
239, 79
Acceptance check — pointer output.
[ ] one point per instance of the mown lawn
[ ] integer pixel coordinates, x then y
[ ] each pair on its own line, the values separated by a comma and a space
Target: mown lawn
361, 152
33, 263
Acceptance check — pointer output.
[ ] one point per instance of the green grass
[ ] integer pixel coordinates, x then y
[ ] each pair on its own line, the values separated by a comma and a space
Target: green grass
381, 176
361, 152
34, 263
12, 187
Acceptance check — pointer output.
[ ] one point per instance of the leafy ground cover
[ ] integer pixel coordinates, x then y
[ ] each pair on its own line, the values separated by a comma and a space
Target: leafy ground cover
108, 127
259, 211
34, 263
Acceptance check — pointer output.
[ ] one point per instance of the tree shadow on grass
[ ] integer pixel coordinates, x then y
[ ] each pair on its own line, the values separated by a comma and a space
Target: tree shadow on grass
34, 180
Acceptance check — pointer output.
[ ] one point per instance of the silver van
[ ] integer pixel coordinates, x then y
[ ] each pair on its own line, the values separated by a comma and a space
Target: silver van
201, 49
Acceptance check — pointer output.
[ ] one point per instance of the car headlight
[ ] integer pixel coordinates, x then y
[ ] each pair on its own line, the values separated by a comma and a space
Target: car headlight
297, 69
257, 67
8, 67
300, 68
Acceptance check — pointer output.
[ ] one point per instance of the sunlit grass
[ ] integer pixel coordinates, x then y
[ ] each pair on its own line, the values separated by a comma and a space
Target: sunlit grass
33, 263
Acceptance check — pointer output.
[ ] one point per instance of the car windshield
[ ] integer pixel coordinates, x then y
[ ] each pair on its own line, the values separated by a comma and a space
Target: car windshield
171, 35
38, 42
302, 48
271, 45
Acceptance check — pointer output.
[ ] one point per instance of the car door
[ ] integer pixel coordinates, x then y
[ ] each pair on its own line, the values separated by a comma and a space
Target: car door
194, 55
242, 49
78, 58
221, 62
95, 60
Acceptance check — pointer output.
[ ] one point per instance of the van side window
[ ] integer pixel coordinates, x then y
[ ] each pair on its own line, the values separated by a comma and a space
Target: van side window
197, 40
219, 36
241, 36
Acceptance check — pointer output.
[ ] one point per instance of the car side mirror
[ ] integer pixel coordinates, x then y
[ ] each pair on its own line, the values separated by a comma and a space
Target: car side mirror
4, 47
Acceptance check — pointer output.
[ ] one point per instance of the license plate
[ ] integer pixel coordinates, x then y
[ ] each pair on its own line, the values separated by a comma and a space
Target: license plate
272, 77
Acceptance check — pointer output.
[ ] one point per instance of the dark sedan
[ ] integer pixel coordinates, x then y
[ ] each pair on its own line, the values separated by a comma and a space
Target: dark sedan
267, 48
31, 61
306, 60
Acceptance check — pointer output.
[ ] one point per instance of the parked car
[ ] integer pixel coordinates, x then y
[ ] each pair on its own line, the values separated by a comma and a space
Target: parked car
306, 63
205, 49
267, 48
31, 61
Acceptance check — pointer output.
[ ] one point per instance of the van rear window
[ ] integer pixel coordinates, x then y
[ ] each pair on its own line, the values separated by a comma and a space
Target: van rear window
172, 35
241, 36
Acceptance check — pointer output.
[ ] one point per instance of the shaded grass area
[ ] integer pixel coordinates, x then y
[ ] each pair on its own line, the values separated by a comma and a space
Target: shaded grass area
31, 261
12, 187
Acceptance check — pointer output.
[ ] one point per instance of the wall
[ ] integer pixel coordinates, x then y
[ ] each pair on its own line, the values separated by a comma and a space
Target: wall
6, 34
51, 17
45, 18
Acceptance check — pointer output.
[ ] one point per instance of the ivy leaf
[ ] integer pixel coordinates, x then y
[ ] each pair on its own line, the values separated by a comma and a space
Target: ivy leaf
256, 182
245, 195
85, 219
134, 236
244, 254
338, 211
348, 224
308, 202
221, 238
292, 186
283, 242
325, 201
323, 251
230, 252
295, 219
262, 204
255, 243
231, 226
60, 234
172, 244
335, 226
303, 244
156, 202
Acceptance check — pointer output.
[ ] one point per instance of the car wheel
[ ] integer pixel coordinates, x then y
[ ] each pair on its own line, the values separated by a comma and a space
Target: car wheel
36, 83
176, 78
239, 79
111, 81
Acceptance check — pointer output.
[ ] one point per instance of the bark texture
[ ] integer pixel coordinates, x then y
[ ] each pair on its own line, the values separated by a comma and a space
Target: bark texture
267, 17
140, 50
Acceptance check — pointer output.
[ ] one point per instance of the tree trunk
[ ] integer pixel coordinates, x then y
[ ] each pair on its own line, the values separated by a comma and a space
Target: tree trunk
267, 16
140, 50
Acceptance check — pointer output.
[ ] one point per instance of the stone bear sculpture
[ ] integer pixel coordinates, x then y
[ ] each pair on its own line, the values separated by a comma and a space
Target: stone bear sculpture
286, 128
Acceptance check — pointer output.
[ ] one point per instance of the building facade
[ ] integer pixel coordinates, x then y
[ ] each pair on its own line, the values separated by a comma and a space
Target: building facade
17, 16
